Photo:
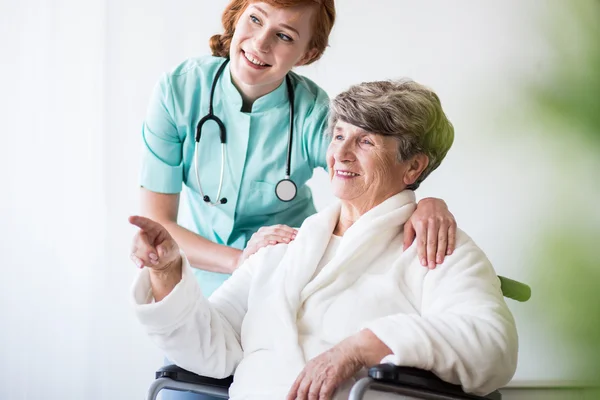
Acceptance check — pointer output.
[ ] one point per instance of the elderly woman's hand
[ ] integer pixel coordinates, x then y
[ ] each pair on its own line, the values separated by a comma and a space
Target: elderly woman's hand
323, 374
435, 229
265, 236
153, 246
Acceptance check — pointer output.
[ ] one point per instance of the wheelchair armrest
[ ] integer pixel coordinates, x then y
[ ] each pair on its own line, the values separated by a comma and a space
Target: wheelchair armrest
181, 375
421, 379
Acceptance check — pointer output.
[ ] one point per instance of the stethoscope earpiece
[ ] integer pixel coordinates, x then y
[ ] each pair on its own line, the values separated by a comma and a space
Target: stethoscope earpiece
286, 189
207, 200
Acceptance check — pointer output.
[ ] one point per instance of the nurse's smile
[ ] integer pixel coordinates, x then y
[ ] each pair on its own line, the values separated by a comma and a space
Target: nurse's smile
254, 61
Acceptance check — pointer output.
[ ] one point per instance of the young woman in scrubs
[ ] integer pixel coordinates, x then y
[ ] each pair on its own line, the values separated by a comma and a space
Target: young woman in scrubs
263, 41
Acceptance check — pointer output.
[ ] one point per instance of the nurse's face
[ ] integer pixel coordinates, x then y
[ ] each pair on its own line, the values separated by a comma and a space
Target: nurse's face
364, 167
269, 41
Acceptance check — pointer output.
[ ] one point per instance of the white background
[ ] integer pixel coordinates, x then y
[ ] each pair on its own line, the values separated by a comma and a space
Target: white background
74, 84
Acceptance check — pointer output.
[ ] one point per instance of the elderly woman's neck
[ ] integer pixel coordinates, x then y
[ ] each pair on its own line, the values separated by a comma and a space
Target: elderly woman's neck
349, 214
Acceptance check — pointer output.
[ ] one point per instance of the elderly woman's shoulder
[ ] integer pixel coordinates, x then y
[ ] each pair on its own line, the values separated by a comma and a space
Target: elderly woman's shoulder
466, 248
463, 240
268, 256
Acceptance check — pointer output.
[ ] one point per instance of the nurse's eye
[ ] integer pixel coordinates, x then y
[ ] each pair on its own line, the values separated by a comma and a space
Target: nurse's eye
285, 37
254, 19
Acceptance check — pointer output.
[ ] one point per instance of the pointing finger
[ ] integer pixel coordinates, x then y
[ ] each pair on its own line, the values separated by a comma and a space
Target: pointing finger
145, 224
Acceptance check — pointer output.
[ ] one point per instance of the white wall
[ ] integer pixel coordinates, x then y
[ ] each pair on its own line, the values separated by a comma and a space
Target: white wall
52, 213
76, 78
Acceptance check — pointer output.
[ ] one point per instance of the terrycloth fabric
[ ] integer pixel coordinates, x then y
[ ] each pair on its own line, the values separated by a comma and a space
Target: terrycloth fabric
452, 320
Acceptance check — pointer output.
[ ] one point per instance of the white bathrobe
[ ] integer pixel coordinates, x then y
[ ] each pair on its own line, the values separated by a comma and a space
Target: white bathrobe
451, 320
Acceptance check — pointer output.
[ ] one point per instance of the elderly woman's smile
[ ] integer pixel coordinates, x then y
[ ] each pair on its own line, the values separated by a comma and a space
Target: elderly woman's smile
346, 174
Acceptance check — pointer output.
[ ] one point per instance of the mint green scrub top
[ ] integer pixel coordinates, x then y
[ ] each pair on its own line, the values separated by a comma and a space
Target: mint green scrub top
255, 155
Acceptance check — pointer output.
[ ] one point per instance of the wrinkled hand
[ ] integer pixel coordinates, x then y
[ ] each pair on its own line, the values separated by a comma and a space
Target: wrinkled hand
153, 246
267, 235
323, 374
435, 230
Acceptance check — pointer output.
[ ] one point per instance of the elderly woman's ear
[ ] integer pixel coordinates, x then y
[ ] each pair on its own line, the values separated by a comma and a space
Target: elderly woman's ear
416, 167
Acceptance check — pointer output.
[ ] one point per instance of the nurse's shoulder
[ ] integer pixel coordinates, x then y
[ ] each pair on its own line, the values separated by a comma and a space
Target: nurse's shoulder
193, 73
182, 86
308, 94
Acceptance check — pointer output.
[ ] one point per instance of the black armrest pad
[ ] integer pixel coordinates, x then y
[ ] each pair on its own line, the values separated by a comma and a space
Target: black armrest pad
181, 375
421, 379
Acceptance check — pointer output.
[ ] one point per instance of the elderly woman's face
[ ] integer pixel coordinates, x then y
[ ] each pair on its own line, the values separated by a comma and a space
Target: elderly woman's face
364, 166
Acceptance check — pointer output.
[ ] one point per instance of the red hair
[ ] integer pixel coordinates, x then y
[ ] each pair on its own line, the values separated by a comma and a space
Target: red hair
321, 24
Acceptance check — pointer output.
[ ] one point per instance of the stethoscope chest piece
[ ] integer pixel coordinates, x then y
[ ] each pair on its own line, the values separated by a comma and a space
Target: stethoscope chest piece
285, 190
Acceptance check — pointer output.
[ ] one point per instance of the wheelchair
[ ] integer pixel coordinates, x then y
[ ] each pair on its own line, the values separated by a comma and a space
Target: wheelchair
409, 382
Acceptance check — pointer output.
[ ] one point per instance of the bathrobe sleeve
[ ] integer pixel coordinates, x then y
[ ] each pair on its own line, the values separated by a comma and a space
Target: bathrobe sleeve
465, 332
200, 335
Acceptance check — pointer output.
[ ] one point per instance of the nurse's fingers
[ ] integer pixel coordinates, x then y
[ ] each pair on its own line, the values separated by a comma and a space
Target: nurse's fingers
259, 243
276, 238
409, 234
451, 238
286, 228
272, 235
281, 230
421, 233
442, 243
432, 242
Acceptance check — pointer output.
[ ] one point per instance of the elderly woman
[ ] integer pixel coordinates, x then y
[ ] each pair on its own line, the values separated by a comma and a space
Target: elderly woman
305, 319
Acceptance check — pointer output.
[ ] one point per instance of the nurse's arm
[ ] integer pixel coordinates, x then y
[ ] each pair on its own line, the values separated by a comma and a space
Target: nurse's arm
201, 252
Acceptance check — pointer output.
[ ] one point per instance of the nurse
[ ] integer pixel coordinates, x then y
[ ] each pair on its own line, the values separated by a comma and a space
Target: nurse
230, 187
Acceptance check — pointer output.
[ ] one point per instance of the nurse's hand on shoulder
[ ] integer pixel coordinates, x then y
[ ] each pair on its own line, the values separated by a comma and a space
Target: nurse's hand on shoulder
153, 246
435, 229
265, 236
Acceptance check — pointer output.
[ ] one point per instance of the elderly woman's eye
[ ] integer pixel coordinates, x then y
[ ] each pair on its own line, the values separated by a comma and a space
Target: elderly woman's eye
367, 141
339, 137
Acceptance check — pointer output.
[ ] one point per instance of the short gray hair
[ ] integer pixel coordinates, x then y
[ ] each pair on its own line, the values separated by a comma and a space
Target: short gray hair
403, 109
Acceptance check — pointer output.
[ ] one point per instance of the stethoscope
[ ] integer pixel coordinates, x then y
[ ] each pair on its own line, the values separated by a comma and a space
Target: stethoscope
286, 189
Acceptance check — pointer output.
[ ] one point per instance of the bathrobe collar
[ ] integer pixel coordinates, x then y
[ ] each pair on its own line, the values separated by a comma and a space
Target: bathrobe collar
361, 244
